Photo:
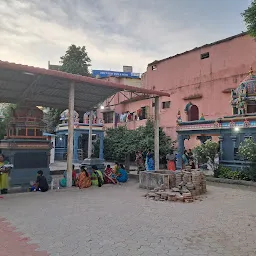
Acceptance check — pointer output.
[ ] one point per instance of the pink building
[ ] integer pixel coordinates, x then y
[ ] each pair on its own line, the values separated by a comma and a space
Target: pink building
199, 81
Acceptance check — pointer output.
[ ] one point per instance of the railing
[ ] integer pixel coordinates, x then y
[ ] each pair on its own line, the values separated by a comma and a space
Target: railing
81, 124
133, 124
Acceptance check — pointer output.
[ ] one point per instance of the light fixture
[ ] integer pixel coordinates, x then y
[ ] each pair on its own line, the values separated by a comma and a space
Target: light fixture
102, 107
236, 129
28, 73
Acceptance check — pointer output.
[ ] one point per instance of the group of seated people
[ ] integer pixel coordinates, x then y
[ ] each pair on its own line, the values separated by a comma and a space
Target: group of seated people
114, 175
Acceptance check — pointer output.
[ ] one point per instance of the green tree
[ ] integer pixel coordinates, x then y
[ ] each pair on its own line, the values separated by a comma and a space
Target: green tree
76, 61
249, 16
120, 142
6, 111
51, 118
206, 153
247, 150
145, 137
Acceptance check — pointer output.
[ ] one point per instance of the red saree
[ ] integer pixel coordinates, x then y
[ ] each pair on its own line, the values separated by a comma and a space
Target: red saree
108, 176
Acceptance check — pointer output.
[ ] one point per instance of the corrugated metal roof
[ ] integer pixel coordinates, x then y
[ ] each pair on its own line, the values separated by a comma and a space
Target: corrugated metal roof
49, 134
50, 88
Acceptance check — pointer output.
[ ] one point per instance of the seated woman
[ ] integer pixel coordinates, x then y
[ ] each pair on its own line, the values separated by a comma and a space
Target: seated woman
96, 177
63, 181
116, 167
109, 177
84, 180
122, 175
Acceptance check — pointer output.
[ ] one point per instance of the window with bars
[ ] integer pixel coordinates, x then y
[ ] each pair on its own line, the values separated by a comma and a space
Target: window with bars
108, 117
166, 104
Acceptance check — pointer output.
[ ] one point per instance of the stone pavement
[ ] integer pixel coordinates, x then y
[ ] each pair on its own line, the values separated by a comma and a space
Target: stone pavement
117, 220
12, 243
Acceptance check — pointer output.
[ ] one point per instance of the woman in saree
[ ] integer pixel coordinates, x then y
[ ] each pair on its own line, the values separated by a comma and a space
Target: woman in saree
139, 162
116, 167
170, 158
96, 177
122, 175
109, 177
4, 175
84, 180
150, 165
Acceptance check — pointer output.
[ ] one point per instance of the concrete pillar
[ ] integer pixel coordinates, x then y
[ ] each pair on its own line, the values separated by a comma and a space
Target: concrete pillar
156, 150
70, 133
234, 138
180, 151
90, 136
101, 146
221, 145
76, 139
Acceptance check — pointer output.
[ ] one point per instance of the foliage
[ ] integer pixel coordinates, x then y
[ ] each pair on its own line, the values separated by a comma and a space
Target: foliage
76, 61
249, 17
145, 139
247, 150
7, 111
120, 141
52, 119
250, 172
227, 173
206, 153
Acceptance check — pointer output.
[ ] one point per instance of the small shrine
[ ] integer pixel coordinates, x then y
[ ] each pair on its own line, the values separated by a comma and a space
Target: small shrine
243, 99
64, 116
230, 131
25, 146
81, 136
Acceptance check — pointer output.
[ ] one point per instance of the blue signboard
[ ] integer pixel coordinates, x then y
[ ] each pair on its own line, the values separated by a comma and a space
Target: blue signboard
107, 73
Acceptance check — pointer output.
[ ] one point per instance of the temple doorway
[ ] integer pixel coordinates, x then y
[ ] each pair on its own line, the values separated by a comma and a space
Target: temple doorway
83, 145
193, 113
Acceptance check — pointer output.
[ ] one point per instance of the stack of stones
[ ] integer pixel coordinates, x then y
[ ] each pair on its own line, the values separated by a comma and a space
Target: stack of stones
185, 186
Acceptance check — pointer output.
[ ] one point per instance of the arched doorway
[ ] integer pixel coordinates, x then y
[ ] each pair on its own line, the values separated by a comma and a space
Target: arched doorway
193, 113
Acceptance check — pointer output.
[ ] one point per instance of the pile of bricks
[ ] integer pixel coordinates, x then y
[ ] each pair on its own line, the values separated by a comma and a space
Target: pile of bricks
186, 185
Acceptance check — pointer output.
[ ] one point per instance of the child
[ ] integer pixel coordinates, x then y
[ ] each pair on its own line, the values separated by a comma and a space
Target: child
41, 183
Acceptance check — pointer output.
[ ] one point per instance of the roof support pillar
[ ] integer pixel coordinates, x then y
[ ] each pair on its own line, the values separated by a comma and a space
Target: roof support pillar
156, 142
90, 135
70, 133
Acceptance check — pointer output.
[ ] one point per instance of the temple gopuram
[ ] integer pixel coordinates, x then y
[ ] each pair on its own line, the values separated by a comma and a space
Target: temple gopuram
25, 146
230, 131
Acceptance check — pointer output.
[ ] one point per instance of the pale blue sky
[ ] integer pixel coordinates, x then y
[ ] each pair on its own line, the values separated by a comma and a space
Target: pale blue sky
115, 32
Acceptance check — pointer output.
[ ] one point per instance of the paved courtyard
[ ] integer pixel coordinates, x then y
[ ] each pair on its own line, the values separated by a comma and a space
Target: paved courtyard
117, 220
